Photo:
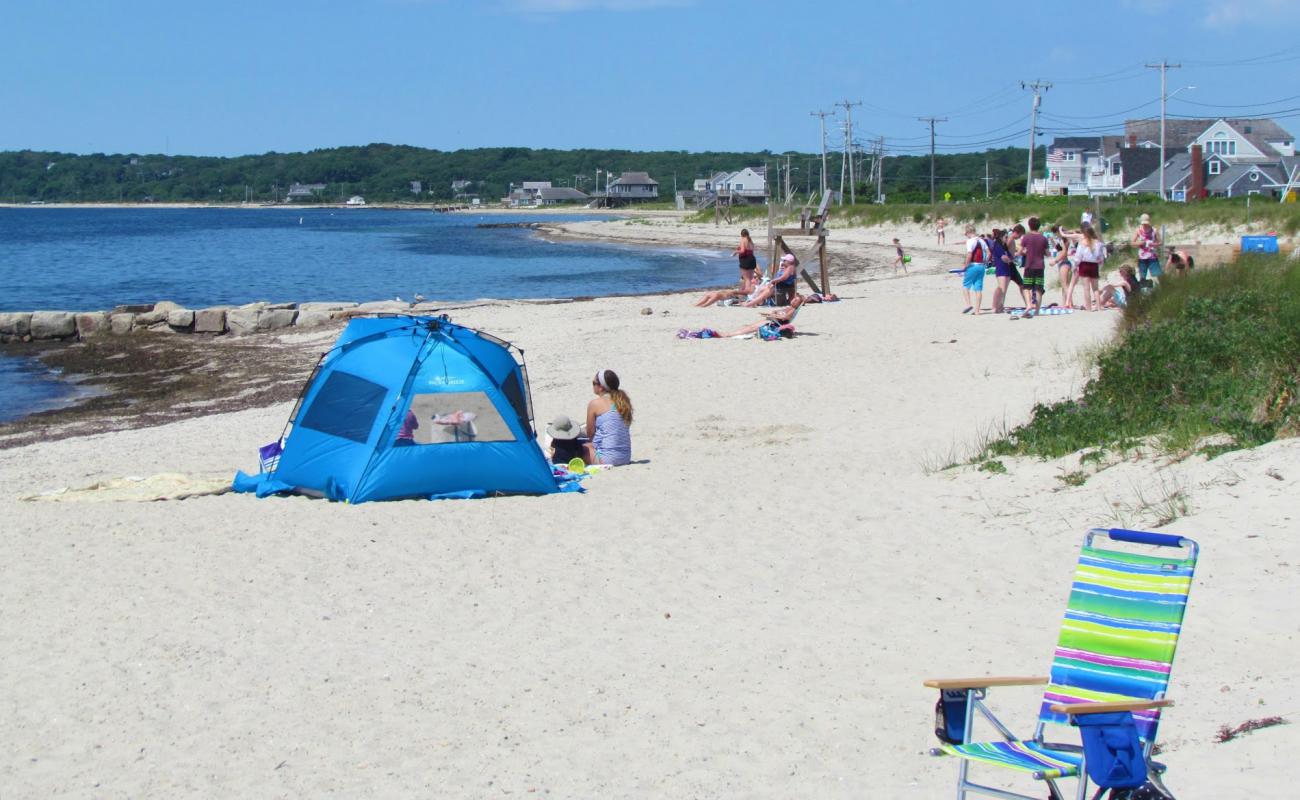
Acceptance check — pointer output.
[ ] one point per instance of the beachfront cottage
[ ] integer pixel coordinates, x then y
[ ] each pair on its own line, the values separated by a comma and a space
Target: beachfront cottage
633, 186
745, 186
556, 195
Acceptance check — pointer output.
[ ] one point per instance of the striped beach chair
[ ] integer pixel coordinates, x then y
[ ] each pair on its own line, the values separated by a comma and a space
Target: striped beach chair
1113, 658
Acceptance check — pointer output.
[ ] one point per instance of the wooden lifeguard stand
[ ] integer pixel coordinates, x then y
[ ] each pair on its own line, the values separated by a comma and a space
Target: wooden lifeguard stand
812, 223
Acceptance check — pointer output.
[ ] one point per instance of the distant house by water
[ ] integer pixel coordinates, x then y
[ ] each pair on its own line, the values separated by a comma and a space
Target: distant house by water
744, 186
632, 186
304, 191
355, 200
542, 193
560, 194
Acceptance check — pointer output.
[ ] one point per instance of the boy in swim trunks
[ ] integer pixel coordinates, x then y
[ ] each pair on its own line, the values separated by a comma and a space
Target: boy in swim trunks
1034, 246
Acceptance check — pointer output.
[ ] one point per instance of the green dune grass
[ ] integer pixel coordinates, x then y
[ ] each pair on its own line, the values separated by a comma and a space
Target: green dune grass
1216, 352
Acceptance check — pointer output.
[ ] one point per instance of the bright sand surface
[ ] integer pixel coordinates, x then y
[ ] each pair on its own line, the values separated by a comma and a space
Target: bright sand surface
747, 612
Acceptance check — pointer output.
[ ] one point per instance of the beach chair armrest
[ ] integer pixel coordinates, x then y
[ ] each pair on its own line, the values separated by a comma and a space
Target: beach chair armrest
1079, 709
984, 683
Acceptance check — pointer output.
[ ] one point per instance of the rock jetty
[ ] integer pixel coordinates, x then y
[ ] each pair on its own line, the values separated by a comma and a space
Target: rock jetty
168, 317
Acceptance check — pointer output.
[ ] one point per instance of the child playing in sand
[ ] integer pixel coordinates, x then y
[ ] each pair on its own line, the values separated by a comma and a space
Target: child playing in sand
900, 260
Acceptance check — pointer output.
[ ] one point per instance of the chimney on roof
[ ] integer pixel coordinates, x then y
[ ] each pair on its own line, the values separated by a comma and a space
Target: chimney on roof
1198, 175
1132, 140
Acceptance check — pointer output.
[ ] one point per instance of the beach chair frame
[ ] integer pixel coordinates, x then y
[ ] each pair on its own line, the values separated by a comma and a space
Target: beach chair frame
1069, 758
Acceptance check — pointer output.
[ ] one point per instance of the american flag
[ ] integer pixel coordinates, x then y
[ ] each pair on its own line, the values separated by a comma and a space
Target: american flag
1056, 156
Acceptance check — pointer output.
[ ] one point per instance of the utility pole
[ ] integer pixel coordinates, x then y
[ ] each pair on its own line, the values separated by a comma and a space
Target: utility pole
822, 115
932, 120
1036, 87
880, 170
1164, 66
986, 179
848, 145
787, 179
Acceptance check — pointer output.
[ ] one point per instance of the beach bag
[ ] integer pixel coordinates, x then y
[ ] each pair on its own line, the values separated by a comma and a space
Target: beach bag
950, 716
1112, 750
771, 331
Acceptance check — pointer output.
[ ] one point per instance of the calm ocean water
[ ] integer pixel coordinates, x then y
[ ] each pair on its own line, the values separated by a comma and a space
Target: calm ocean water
94, 259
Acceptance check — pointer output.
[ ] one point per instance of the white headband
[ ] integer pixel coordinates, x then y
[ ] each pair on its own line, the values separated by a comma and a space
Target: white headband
600, 378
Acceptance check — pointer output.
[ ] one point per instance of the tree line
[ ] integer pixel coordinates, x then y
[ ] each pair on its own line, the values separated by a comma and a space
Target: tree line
388, 173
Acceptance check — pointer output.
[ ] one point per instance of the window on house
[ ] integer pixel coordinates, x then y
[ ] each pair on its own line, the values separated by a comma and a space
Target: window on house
1254, 177
1215, 167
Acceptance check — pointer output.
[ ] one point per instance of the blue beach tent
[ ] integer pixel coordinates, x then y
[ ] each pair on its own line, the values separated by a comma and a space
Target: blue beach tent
410, 407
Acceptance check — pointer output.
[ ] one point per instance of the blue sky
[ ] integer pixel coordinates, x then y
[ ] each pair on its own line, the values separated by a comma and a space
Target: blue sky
235, 77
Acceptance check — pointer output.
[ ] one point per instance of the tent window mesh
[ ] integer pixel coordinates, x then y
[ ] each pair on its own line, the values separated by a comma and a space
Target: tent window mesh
346, 406
453, 417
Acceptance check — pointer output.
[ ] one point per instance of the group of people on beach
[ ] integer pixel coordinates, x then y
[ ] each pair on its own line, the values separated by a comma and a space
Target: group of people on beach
1023, 255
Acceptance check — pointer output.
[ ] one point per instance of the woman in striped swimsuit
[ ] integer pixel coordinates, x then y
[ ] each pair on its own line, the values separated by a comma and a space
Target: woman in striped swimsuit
609, 417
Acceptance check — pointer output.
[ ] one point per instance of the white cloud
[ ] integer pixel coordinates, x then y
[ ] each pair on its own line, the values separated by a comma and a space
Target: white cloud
566, 6
1230, 13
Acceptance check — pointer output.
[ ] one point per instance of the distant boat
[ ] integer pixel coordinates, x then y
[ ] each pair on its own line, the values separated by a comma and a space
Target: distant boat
355, 200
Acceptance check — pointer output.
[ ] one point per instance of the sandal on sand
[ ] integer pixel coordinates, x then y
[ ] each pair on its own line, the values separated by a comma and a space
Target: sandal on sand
967, 309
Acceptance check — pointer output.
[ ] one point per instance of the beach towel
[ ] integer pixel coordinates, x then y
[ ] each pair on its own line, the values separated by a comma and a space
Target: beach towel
702, 333
163, 486
1042, 312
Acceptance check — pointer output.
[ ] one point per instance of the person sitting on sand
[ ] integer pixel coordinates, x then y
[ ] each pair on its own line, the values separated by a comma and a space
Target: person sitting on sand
566, 444
784, 282
783, 285
1116, 294
723, 295
782, 316
609, 419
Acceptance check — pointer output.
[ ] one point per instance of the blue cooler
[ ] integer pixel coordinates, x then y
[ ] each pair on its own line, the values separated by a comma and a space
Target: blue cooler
1259, 244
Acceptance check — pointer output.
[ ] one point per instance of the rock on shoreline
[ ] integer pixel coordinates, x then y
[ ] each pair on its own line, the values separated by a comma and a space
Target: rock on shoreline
168, 317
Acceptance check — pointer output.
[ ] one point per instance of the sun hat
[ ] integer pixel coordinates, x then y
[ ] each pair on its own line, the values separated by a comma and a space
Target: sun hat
788, 257
1145, 219
562, 428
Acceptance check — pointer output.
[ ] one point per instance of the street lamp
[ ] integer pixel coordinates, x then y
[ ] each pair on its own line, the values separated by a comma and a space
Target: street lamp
1164, 98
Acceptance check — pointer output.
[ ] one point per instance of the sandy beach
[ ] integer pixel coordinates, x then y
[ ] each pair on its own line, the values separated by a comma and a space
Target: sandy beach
748, 611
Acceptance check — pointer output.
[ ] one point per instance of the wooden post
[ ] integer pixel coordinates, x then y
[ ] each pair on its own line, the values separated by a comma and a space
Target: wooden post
821, 257
771, 240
